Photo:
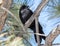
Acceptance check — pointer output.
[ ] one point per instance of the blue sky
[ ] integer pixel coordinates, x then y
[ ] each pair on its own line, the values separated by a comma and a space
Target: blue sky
47, 25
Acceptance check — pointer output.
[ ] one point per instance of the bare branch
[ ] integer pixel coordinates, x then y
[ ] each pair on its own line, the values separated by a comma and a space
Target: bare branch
51, 37
3, 14
13, 17
36, 13
37, 30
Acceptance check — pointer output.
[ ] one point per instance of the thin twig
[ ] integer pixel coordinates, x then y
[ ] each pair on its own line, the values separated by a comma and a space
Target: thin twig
13, 17
30, 33
37, 30
10, 23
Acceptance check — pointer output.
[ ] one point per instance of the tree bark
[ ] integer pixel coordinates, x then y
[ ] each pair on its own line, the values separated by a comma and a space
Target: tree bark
3, 14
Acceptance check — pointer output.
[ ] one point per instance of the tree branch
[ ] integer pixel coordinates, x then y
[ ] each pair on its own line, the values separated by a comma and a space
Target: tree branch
52, 35
3, 14
36, 13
